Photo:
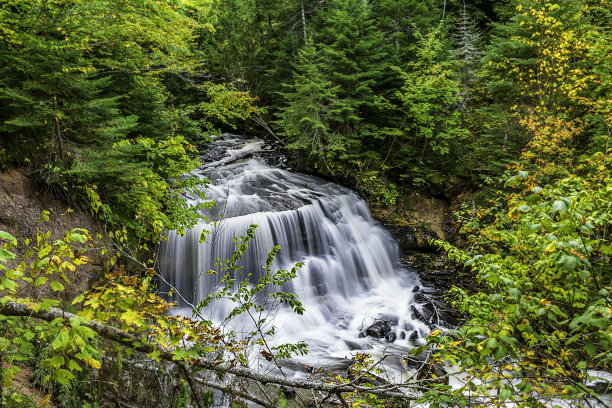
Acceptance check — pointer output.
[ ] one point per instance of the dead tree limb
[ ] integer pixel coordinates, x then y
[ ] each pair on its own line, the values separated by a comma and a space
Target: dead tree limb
140, 344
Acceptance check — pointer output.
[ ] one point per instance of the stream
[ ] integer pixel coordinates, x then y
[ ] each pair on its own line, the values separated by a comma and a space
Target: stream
357, 296
351, 286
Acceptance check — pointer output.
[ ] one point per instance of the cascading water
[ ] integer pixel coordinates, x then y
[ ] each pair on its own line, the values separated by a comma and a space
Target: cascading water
351, 277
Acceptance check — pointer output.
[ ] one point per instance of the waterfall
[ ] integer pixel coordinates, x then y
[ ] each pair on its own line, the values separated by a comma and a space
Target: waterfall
351, 277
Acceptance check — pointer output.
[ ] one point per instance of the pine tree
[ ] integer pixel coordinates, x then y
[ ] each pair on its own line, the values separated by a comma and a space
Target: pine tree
354, 56
429, 99
305, 118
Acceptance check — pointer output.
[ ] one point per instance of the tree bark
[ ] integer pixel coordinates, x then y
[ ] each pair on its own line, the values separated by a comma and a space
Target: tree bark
304, 24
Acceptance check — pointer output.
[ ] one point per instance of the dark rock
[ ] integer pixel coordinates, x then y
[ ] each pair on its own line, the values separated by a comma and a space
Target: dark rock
353, 345
288, 392
602, 384
390, 337
402, 335
391, 319
416, 289
379, 329
418, 315
448, 228
429, 312
414, 336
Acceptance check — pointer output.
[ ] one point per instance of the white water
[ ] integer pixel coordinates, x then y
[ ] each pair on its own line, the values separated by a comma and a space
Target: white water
351, 275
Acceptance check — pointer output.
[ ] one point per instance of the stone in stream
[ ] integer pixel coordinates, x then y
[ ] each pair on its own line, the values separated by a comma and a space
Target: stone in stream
379, 329
390, 337
425, 316
602, 384
287, 392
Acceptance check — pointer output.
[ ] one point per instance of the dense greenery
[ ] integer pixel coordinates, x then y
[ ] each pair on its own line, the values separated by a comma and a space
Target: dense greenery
110, 96
107, 101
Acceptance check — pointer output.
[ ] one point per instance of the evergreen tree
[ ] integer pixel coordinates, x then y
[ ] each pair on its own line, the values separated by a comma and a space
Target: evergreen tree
433, 125
354, 56
305, 118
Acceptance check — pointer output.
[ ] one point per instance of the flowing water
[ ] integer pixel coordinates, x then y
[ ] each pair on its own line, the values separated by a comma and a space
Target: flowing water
351, 278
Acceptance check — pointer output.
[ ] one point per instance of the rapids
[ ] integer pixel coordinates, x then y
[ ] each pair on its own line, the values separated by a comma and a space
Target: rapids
351, 278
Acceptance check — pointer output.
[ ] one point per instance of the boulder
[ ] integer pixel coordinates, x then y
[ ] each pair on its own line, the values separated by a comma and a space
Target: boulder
391, 337
379, 329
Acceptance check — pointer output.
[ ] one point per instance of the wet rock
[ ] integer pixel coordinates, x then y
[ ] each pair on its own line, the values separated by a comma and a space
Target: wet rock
353, 345
414, 336
402, 335
391, 319
424, 317
288, 392
416, 289
429, 312
448, 228
390, 337
602, 384
379, 329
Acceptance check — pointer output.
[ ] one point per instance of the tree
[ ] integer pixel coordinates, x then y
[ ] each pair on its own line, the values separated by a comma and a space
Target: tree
100, 93
432, 121
123, 322
542, 316
304, 120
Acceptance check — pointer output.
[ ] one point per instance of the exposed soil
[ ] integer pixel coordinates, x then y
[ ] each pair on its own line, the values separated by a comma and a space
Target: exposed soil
416, 218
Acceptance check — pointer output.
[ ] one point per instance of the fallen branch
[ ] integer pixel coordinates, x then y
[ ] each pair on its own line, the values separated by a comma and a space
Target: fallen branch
139, 344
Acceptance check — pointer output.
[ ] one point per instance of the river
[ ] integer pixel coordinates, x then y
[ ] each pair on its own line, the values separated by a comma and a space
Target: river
351, 278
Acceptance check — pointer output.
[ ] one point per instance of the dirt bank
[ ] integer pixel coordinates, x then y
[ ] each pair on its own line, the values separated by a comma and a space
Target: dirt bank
21, 205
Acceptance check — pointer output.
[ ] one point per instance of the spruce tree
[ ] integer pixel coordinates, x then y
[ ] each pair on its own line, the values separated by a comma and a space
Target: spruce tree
354, 56
305, 118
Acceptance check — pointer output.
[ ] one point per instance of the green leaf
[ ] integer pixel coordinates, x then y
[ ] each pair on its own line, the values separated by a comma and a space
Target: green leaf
63, 376
78, 237
533, 198
7, 236
6, 255
590, 349
56, 286
524, 208
559, 205
56, 361
505, 394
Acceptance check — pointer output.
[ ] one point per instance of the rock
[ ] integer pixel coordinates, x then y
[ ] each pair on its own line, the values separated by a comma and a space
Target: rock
602, 384
379, 329
429, 313
421, 316
416, 289
288, 392
353, 345
414, 336
390, 337
402, 335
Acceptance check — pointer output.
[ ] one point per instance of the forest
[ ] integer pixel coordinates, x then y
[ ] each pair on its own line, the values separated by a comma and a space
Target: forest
106, 105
